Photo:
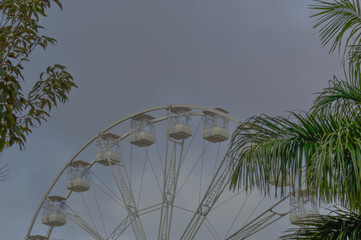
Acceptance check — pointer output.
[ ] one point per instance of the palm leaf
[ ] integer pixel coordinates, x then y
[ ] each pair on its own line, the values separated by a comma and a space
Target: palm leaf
341, 97
338, 225
323, 149
337, 19
340, 22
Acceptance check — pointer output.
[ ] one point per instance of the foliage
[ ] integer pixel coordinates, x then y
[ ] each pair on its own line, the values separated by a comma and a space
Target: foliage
322, 145
19, 37
321, 148
338, 225
336, 19
340, 98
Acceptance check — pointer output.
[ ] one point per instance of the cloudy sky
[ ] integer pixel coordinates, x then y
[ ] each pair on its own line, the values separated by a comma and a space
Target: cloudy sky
248, 56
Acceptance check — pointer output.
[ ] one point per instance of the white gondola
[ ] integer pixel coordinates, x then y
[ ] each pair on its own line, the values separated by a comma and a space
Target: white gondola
274, 180
38, 237
311, 212
294, 219
173, 165
108, 157
245, 148
142, 130
78, 176
53, 211
109, 152
179, 123
303, 205
215, 126
142, 139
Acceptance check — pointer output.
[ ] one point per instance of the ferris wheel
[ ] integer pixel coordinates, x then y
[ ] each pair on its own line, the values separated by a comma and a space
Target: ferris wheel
162, 173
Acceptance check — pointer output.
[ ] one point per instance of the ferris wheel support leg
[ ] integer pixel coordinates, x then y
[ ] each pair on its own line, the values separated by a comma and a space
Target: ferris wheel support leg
169, 188
211, 196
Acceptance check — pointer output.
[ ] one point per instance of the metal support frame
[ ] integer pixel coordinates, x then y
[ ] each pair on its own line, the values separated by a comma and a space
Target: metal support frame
217, 186
196, 111
72, 215
122, 181
121, 228
171, 172
83, 224
120, 175
263, 220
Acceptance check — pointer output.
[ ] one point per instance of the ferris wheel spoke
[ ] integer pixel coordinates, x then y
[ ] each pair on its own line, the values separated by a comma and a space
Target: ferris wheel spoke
185, 209
75, 217
169, 187
191, 141
260, 222
159, 155
111, 193
121, 228
251, 229
147, 159
217, 156
150, 209
191, 171
142, 179
217, 186
87, 208
235, 218
122, 181
151, 166
201, 177
121, 178
99, 211
228, 199
212, 230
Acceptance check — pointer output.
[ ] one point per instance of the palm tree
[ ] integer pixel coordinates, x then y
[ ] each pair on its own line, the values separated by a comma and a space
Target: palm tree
320, 148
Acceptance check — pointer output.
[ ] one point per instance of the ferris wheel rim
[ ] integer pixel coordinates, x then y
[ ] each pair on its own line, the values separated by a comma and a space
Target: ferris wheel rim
105, 130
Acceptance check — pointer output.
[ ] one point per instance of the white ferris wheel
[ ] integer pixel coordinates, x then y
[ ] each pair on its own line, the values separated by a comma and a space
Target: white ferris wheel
162, 173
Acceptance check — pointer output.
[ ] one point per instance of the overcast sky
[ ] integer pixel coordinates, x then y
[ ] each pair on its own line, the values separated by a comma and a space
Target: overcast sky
248, 56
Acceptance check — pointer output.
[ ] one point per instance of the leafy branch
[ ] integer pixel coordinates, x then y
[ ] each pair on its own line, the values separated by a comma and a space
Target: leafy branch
19, 37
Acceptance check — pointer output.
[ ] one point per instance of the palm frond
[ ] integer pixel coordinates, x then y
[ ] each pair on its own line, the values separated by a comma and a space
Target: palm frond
266, 146
339, 20
352, 72
354, 64
341, 97
338, 225
323, 149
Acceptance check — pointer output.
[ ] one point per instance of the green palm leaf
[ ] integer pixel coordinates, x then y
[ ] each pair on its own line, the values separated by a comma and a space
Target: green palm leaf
322, 149
340, 22
336, 19
338, 225
341, 97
